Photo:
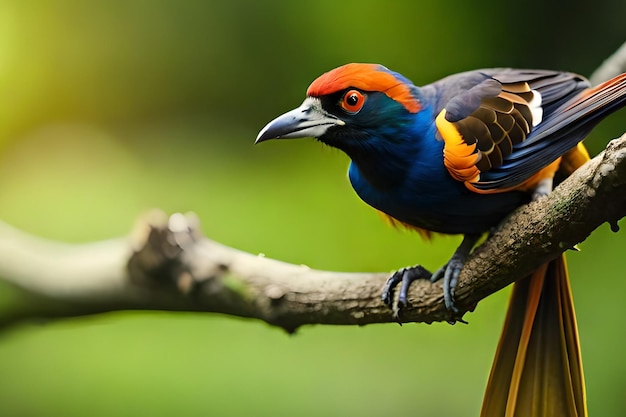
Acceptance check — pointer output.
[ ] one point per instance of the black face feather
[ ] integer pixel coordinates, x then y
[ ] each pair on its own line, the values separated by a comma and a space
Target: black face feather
330, 103
380, 120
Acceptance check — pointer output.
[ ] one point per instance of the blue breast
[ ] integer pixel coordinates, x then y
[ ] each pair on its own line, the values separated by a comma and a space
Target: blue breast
409, 182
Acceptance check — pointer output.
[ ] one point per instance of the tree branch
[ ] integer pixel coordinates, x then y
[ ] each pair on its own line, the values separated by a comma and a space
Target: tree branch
166, 264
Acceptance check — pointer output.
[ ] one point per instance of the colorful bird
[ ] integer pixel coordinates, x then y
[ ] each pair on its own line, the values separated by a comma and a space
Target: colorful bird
455, 157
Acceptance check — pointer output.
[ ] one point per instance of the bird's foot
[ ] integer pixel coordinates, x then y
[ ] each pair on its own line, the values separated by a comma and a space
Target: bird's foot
405, 276
450, 273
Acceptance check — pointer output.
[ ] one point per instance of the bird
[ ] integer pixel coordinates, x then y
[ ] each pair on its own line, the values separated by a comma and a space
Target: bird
455, 157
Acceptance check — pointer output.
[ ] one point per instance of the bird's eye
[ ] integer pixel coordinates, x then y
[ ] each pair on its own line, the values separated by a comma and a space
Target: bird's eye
353, 101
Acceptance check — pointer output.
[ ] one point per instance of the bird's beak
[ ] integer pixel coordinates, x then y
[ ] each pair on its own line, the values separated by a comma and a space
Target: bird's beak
308, 120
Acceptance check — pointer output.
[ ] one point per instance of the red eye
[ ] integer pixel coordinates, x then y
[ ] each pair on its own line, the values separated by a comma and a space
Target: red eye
353, 101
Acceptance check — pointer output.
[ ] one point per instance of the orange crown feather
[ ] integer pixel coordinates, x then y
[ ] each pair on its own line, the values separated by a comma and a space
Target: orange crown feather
366, 77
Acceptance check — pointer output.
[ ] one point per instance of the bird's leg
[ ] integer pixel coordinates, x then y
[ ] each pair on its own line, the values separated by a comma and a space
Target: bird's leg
452, 269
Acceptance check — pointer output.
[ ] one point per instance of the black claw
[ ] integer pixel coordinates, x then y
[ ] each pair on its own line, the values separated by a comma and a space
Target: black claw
392, 282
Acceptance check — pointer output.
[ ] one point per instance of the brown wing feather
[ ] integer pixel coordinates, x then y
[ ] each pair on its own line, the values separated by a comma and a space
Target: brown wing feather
487, 135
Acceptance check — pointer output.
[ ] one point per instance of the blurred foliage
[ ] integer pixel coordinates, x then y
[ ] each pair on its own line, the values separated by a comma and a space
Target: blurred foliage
109, 108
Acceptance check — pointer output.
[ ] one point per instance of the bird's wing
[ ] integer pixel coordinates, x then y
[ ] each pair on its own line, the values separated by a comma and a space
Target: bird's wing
502, 126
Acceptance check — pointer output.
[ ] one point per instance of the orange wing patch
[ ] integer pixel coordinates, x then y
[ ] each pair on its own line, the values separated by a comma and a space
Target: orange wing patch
366, 77
459, 156
481, 141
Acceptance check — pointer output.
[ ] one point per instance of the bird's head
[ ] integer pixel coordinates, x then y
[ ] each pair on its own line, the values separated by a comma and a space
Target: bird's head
348, 107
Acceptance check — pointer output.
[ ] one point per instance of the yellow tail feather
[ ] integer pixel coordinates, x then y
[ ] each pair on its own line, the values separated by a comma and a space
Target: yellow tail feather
538, 369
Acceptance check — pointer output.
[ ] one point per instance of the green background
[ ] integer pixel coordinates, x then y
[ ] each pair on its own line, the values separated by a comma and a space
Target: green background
108, 109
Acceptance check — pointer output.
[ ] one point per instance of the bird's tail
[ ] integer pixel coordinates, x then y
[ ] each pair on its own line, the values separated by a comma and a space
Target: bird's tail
574, 119
538, 370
